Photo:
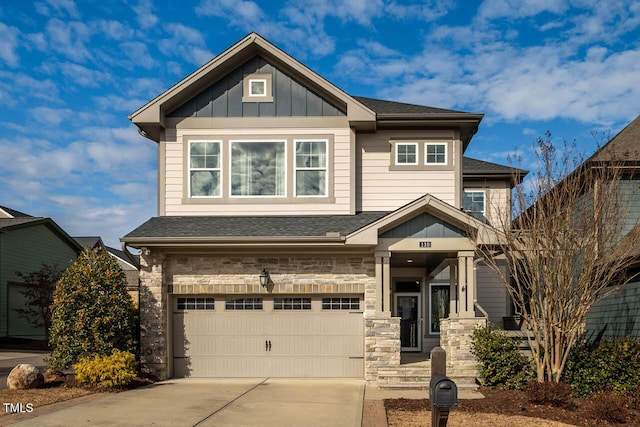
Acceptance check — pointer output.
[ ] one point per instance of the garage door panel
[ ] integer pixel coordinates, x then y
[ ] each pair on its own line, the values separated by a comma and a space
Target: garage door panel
305, 343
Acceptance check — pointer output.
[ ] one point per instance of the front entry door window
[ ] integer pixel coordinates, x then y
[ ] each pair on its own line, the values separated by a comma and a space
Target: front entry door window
408, 310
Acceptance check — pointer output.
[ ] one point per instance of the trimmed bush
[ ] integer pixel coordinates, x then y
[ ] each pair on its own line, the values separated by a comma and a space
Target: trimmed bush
116, 370
92, 311
549, 393
604, 365
607, 406
501, 363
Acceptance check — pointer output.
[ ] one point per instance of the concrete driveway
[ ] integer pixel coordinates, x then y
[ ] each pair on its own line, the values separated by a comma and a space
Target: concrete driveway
221, 402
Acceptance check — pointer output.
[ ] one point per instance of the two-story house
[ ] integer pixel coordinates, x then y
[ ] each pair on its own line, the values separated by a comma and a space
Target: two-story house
305, 232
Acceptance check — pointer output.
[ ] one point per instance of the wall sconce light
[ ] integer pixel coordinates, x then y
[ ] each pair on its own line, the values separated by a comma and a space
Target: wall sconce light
264, 277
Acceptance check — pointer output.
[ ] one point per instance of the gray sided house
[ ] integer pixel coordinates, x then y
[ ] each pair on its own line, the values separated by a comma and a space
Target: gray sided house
305, 232
619, 314
26, 242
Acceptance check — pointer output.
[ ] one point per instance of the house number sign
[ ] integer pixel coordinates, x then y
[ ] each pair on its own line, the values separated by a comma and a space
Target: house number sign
424, 244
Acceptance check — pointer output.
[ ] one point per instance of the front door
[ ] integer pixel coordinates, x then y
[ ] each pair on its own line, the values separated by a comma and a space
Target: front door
408, 310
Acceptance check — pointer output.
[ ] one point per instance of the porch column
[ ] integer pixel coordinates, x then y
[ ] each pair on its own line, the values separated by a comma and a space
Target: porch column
383, 283
466, 284
454, 297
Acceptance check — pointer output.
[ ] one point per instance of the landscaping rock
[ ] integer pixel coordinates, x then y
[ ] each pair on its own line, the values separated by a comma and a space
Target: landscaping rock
24, 376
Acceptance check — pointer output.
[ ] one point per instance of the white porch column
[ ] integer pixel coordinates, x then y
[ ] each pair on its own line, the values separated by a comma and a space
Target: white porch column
383, 283
466, 284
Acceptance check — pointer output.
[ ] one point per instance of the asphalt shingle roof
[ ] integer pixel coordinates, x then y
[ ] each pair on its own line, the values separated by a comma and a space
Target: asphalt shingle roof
381, 106
471, 166
625, 146
255, 226
14, 213
10, 222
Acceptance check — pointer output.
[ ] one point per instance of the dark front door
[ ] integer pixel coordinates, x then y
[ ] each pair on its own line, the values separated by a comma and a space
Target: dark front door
408, 310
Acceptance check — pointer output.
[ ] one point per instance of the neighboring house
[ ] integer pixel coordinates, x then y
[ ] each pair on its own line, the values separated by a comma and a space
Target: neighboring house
127, 263
26, 242
618, 315
305, 232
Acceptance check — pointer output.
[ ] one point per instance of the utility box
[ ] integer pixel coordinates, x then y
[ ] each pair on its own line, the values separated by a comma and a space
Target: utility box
443, 392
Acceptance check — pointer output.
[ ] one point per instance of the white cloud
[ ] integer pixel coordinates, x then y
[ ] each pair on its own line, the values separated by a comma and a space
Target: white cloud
24, 88
144, 14
84, 76
138, 53
187, 42
115, 30
112, 103
492, 9
429, 10
50, 116
9, 37
69, 39
64, 6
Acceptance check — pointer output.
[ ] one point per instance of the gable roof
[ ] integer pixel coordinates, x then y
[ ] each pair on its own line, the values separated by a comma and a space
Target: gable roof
150, 117
624, 147
10, 224
206, 229
382, 107
89, 241
12, 213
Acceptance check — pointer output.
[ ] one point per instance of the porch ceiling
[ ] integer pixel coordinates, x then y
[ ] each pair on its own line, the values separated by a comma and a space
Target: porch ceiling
428, 261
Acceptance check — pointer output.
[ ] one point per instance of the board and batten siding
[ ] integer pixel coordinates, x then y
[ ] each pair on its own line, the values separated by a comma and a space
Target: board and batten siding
617, 315
175, 186
380, 188
24, 250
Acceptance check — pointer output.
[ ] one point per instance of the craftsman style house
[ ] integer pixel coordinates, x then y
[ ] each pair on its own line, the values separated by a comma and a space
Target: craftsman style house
305, 232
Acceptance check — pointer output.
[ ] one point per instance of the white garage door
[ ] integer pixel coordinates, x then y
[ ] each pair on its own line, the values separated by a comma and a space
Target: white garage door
268, 337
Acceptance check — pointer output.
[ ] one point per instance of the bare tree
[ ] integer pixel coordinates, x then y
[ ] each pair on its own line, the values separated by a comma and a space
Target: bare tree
573, 238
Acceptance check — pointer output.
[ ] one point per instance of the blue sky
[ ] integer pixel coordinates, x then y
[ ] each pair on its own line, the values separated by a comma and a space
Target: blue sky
71, 72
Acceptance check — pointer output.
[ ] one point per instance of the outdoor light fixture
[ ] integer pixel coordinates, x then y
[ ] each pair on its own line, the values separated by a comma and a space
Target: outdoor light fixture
264, 277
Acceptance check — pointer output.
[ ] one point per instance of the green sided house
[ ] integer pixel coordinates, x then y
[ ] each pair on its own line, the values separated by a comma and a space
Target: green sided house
305, 232
26, 242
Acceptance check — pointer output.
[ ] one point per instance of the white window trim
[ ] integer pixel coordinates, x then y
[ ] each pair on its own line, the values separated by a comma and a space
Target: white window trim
426, 155
286, 169
219, 169
484, 205
442, 285
398, 144
261, 95
326, 168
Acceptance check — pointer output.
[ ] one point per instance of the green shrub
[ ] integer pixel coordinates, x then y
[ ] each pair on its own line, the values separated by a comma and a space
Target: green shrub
501, 363
116, 370
92, 311
549, 393
604, 365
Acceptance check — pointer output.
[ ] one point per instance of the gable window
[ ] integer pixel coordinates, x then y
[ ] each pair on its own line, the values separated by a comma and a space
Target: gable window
258, 168
436, 153
474, 202
406, 153
204, 168
311, 168
257, 87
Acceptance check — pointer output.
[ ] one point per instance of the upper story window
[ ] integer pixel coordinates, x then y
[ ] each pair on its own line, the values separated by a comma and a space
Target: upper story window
474, 201
435, 153
204, 168
258, 168
311, 168
257, 88
406, 153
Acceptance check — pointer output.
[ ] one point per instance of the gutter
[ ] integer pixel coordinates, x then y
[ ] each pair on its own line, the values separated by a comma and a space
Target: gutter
135, 263
235, 240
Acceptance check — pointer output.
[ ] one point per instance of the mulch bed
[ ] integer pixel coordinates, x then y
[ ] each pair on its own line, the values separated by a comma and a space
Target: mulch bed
512, 402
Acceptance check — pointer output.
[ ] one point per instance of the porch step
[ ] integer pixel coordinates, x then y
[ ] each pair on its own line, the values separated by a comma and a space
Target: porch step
415, 378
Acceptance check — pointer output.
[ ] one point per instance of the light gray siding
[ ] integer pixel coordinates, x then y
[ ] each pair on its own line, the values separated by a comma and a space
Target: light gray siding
492, 294
224, 97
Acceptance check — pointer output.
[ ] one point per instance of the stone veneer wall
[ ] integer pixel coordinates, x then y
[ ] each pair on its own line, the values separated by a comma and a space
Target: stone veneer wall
381, 345
455, 339
161, 276
153, 317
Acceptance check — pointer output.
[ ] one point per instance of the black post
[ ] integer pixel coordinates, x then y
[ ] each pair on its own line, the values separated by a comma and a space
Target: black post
439, 416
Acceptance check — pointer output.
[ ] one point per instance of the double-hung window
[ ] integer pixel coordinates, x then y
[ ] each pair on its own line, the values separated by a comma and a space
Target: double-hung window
474, 202
204, 168
258, 168
406, 153
435, 153
311, 168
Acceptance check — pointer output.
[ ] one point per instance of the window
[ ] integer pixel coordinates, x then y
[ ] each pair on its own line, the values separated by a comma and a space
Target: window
195, 304
243, 304
435, 153
258, 168
473, 202
341, 303
311, 168
204, 168
406, 153
292, 304
257, 87
439, 308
